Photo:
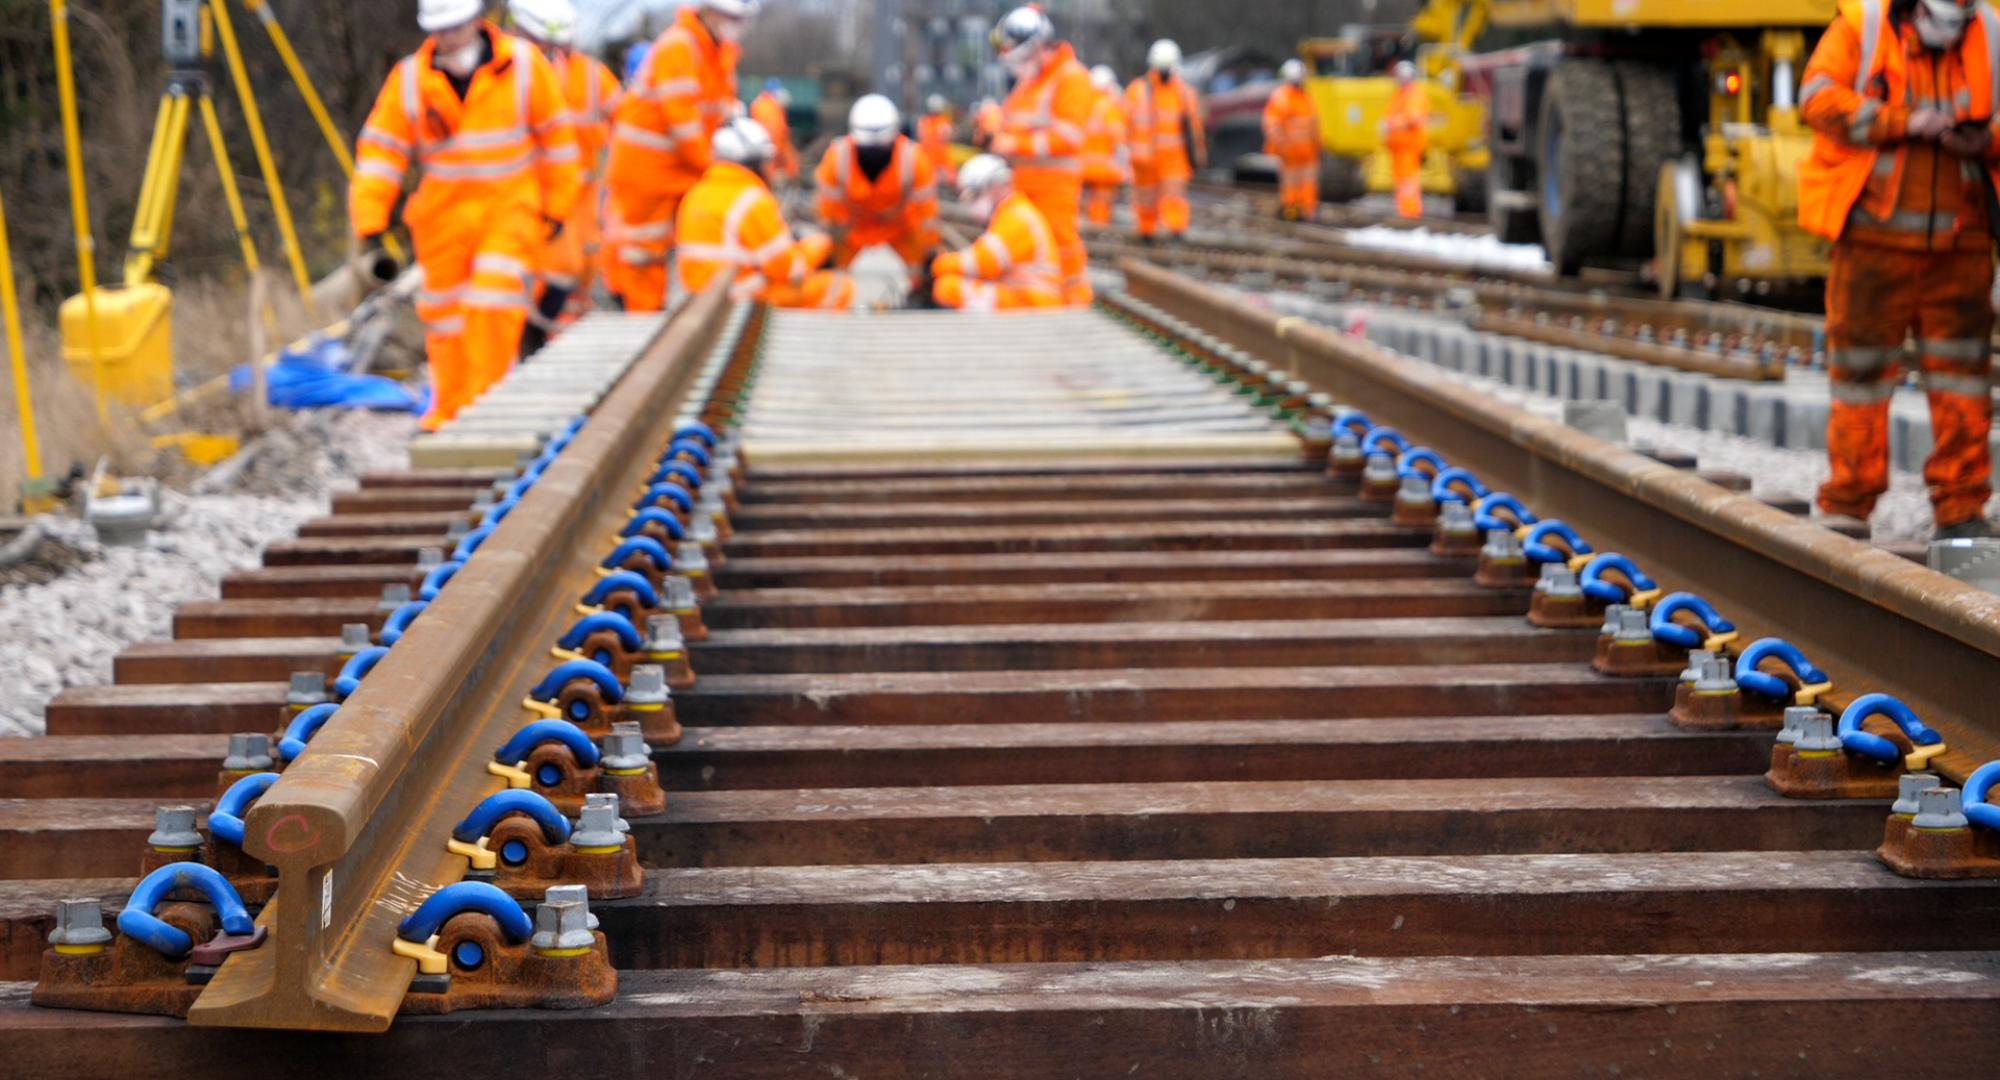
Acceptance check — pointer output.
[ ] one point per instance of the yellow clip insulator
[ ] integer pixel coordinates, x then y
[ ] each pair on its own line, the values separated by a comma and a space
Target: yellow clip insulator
541, 708
429, 960
1578, 562
1521, 531
481, 858
1809, 695
561, 653
1715, 642
1915, 759
515, 776
604, 571
1643, 598
588, 609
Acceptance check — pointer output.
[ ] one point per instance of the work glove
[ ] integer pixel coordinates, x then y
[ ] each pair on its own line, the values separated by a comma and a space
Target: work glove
1927, 124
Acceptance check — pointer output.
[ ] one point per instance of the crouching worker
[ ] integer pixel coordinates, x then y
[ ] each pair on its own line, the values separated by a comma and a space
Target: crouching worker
730, 223
1014, 265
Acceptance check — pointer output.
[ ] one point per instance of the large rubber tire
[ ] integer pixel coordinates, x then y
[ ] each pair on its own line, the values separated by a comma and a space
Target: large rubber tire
1652, 140
1580, 154
1341, 179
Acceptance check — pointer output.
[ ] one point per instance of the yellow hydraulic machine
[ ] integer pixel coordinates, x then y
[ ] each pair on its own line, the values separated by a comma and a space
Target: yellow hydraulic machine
121, 337
1350, 84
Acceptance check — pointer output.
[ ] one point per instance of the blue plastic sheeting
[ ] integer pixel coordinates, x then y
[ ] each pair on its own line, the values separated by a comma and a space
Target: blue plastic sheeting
312, 375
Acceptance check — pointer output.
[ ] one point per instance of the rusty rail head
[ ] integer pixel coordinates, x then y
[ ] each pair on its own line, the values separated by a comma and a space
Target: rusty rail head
355, 826
1871, 618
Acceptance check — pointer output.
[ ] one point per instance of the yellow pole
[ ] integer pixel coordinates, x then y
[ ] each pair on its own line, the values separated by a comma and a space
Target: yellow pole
238, 220
335, 141
255, 122
79, 201
24, 403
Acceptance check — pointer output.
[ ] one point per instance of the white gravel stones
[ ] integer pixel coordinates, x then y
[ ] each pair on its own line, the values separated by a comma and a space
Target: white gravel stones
65, 632
1483, 252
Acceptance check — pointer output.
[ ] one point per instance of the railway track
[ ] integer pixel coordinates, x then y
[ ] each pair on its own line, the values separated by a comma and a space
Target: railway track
1053, 705
1258, 206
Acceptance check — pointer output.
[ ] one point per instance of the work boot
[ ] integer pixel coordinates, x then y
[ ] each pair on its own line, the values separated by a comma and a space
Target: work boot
1973, 529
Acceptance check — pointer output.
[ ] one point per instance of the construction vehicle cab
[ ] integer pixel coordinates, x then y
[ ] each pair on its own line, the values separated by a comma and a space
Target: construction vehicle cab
1661, 132
1350, 85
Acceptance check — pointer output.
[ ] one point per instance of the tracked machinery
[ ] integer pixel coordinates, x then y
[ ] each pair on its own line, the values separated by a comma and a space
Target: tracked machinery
1655, 132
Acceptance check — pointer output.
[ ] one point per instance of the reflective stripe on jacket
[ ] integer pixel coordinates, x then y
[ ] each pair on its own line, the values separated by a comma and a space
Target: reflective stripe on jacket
508, 145
1291, 126
902, 198
1041, 130
1157, 113
729, 222
1105, 157
1857, 97
1017, 249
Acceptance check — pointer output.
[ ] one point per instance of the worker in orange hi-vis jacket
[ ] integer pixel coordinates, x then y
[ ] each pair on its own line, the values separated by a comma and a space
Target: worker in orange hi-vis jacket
769, 109
1407, 136
480, 115
730, 225
684, 90
1014, 264
1901, 99
874, 187
1291, 134
1041, 133
1107, 163
986, 119
568, 263
934, 131
1168, 142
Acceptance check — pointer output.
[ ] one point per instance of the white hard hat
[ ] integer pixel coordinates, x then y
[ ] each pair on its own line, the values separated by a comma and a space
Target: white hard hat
983, 173
743, 141
741, 9
936, 103
1404, 71
1103, 77
1292, 71
1165, 55
873, 121
436, 15
553, 21
1021, 33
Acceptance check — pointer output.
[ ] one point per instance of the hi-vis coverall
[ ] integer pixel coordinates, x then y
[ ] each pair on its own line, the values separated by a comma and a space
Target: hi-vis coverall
899, 207
682, 92
767, 110
1408, 121
1164, 115
1106, 162
497, 166
1291, 134
986, 125
730, 223
1014, 265
934, 135
572, 257
1912, 253
1041, 136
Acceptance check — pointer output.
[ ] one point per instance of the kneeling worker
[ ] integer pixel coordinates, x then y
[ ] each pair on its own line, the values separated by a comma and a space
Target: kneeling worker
876, 186
730, 223
1014, 265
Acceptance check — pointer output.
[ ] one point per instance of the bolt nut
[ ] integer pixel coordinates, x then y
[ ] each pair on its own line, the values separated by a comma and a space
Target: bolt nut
702, 530
429, 559
354, 638
1415, 489
1634, 625
597, 825
1696, 658
1380, 467
456, 531
308, 688
663, 634
608, 800
1816, 734
1795, 721
680, 594
80, 922
571, 894
689, 557
249, 751
562, 925
625, 748
394, 596
1501, 546
648, 686
1908, 787
1938, 808
1717, 677
173, 827
1455, 517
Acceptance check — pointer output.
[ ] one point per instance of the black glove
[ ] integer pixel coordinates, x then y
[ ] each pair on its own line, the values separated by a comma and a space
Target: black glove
553, 225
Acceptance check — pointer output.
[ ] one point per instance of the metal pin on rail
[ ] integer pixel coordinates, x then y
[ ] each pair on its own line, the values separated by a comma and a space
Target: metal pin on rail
476, 949
1944, 833
1855, 759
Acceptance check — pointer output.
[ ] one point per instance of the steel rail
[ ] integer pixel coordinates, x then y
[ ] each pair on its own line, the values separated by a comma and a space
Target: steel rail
357, 828
1878, 621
